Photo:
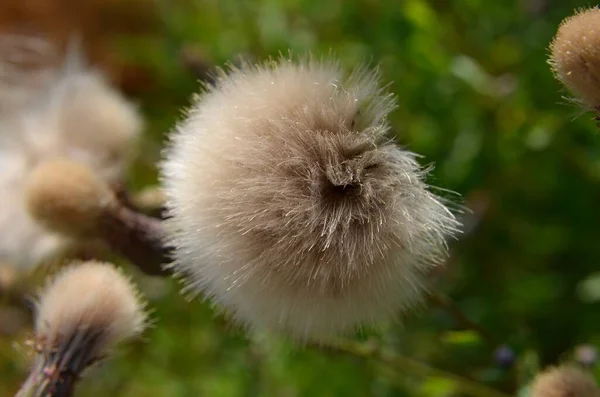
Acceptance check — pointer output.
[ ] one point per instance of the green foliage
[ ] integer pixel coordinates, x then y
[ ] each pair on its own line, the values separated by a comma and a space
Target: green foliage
478, 100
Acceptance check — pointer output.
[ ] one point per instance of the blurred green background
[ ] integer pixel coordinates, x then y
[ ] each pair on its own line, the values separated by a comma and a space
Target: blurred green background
477, 99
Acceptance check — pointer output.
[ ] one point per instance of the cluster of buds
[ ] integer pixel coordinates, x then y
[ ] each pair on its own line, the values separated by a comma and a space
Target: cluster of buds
575, 57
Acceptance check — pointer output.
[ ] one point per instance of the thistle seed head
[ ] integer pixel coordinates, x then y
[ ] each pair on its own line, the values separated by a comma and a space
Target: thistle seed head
564, 381
575, 56
291, 207
84, 312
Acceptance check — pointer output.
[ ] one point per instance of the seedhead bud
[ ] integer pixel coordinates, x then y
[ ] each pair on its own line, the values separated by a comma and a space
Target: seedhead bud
575, 56
69, 198
564, 381
82, 314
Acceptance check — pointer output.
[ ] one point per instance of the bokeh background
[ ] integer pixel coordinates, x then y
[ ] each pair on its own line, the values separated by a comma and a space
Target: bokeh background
477, 100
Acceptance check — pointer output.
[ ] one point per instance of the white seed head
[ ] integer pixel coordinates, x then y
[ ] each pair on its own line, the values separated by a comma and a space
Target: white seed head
564, 381
86, 310
290, 206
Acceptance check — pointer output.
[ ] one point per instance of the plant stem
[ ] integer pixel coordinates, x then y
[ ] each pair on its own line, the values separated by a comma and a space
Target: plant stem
452, 308
47, 382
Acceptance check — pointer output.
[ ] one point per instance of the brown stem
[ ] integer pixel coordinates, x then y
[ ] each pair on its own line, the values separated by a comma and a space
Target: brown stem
137, 237
47, 381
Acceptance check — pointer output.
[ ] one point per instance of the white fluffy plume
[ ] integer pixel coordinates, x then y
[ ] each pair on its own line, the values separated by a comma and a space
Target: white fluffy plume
91, 299
291, 207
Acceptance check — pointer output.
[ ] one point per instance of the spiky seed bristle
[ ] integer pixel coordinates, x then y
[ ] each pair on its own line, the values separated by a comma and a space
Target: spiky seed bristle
67, 197
85, 311
564, 381
575, 56
290, 206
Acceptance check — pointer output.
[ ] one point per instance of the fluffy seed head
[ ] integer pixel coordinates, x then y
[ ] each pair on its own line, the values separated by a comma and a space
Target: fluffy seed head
67, 197
85, 311
291, 208
575, 55
564, 382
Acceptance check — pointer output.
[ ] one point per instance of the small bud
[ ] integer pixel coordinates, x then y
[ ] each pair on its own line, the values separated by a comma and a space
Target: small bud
586, 355
82, 314
69, 198
504, 356
575, 56
564, 381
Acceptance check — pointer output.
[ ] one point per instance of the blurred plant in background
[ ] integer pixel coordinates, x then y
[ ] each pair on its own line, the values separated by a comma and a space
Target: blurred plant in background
476, 98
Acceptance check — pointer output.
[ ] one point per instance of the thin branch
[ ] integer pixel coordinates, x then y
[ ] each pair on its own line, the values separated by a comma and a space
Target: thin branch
137, 237
400, 363
452, 308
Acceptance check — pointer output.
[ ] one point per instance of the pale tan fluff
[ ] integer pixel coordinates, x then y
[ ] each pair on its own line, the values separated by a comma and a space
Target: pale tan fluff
291, 207
575, 56
564, 381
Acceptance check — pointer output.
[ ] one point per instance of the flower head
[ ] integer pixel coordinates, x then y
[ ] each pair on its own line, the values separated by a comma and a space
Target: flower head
291, 207
575, 56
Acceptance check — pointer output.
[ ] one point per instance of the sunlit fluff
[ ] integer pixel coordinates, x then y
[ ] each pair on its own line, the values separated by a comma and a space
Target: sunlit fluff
291, 207
50, 109
575, 56
84, 312
564, 381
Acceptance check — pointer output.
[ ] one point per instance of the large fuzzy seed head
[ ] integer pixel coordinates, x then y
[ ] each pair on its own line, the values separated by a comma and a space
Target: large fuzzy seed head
291, 208
67, 197
575, 56
564, 381
85, 311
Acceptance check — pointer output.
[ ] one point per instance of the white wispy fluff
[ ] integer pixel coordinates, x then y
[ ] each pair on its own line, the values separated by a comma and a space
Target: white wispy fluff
88, 300
82, 314
49, 110
291, 208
